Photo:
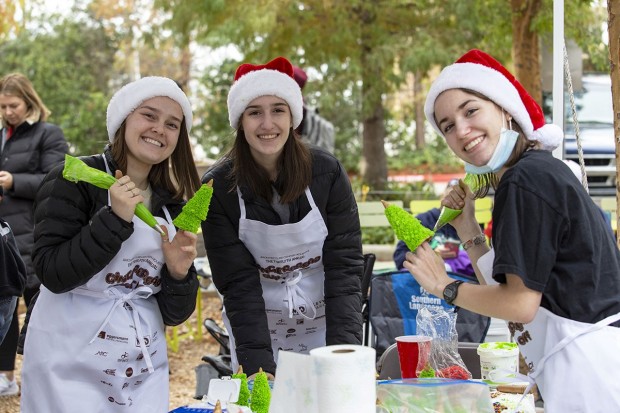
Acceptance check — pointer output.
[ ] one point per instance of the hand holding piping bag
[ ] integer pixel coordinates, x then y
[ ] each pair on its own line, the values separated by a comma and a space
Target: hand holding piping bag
454, 200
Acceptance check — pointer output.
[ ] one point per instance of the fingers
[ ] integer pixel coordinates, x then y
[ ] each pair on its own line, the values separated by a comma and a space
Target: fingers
165, 236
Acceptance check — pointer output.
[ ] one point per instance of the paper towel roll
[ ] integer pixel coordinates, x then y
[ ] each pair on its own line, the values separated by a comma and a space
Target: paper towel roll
345, 378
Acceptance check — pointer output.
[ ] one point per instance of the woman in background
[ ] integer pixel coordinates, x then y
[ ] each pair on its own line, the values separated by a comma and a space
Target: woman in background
29, 148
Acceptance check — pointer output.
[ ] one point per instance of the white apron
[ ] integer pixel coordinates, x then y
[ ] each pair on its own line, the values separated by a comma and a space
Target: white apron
575, 365
292, 276
101, 347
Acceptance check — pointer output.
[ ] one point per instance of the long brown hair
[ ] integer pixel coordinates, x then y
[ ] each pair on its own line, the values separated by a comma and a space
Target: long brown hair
184, 180
294, 166
18, 85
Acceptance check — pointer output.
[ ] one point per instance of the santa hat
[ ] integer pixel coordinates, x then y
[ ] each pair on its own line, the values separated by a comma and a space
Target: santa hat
478, 71
272, 79
130, 96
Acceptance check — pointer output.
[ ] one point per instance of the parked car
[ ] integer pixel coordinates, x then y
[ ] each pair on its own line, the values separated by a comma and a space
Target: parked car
595, 118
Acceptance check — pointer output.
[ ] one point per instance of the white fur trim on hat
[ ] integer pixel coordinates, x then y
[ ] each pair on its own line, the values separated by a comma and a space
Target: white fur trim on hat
494, 85
130, 96
264, 82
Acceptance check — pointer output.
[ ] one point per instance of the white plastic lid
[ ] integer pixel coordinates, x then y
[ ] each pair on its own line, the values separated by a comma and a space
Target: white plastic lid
226, 390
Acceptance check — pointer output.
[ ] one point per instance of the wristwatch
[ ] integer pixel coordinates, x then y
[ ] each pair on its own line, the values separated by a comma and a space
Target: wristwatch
451, 291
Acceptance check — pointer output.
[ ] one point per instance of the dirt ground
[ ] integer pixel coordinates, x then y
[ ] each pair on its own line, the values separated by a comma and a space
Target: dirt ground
182, 362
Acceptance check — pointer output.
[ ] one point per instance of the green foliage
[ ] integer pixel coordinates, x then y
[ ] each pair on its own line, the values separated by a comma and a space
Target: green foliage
70, 68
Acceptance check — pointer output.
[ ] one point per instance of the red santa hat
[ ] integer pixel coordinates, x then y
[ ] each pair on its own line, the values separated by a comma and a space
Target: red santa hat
478, 71
275, 78
130, 96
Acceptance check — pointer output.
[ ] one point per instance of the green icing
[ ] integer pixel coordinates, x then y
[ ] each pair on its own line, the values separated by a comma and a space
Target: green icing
195, 210
427, 372
499, 345
244, 391
407, 227
261, 393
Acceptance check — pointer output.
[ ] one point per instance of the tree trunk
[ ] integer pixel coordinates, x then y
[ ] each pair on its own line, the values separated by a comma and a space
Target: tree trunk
374, 163
525, 46
185, 64
418, 104
613, 27
375, 168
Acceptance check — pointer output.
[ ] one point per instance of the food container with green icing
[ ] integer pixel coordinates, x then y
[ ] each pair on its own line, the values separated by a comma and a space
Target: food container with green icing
499, 361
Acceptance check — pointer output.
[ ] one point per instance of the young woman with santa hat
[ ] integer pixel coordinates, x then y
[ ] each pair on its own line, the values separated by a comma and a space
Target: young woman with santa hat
553, 271
110, 282
283, 236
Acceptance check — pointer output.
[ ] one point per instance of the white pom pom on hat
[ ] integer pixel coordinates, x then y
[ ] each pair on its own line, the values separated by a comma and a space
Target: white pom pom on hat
275, 78
130, 96
480, 72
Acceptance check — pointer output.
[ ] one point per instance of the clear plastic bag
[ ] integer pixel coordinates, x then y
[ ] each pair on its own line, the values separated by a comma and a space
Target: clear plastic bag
445, 360
433, 396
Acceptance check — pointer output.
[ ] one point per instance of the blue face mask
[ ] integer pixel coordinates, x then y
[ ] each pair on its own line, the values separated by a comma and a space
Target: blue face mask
505, 145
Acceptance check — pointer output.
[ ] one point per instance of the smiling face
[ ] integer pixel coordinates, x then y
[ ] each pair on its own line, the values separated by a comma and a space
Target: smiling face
152, 131
266, 123
13, 109
470, 124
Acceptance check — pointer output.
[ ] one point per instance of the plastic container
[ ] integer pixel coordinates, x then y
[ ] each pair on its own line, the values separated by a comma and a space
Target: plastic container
498, 361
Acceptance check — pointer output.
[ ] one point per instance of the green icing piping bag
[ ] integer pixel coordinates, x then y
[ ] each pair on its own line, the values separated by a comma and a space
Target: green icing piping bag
448, 214
76, 170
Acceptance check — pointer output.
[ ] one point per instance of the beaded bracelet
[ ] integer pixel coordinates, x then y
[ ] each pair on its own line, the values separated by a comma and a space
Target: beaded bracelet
477, 240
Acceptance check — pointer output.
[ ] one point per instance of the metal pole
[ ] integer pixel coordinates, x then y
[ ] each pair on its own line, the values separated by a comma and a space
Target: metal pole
558, 70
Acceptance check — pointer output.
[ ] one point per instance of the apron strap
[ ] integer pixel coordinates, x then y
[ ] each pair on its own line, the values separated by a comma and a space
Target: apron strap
296, 297
142, 292
241, 203
568, 339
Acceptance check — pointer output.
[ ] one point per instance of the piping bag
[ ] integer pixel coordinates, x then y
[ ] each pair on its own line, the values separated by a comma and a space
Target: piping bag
448, 214
76, 170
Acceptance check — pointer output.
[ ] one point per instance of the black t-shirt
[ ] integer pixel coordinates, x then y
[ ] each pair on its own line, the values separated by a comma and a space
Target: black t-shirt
548, 231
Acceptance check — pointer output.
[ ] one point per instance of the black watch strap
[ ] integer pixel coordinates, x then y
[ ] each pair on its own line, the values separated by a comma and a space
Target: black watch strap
451, 291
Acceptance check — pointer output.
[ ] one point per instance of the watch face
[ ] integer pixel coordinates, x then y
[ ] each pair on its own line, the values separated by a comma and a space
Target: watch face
449, 293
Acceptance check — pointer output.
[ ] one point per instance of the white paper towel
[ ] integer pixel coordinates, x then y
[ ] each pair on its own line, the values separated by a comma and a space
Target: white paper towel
332, 379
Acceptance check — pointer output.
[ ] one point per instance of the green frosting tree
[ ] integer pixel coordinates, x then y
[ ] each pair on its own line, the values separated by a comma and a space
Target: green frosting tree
244, 391
261, 393
407, 227
196, 209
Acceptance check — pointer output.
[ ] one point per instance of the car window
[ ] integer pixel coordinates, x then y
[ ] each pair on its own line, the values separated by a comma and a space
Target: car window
594, 104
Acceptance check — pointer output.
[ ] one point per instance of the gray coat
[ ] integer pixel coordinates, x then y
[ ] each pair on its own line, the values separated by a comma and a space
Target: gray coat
31, 152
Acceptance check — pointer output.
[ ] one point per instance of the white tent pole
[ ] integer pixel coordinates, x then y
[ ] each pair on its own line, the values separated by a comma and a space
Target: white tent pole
558, 70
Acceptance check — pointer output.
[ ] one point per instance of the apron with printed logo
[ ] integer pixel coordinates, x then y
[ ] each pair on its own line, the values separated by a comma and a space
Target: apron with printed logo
575, 365
290, 260
101, 347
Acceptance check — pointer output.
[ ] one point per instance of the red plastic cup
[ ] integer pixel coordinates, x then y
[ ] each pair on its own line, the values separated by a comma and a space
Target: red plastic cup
413, 351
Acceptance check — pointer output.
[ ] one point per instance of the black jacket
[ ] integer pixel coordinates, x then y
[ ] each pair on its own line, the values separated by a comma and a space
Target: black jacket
235, 273
77, 234
33, 150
